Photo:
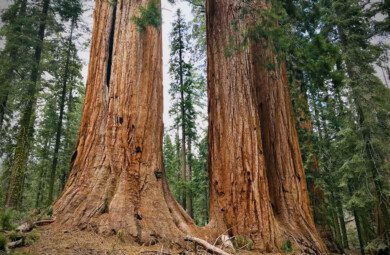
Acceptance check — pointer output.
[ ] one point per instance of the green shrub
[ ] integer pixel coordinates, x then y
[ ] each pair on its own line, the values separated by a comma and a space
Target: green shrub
3, 242
377, 246
242, 243
14, 236
32, 237
6, 218
287, 246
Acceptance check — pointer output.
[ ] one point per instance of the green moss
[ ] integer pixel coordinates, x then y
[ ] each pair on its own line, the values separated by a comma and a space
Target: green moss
149, 16
121, 236
287, 246
112, 2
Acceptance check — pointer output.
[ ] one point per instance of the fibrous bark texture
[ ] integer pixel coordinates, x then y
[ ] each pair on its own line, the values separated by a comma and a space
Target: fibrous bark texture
286, 177
239, 198
117, 181
256, 170
285, 172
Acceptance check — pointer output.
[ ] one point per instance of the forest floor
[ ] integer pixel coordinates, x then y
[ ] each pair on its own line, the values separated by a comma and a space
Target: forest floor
54, 241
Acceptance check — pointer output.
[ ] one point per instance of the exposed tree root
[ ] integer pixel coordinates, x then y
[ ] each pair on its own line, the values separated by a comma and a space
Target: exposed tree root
210, 248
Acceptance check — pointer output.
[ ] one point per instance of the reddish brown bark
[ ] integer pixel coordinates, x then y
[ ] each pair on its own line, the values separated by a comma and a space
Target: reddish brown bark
256, 170
310, 158
239, 198
286, 176
117, 181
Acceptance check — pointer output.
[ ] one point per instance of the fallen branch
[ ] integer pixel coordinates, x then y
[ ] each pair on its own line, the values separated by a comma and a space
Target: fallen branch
43, 223
28, 226
209, 247
154, 253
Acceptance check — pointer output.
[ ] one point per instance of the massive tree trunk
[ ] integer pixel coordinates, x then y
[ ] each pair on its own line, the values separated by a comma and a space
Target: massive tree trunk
117, 180
256, 170
286, 176
238, 181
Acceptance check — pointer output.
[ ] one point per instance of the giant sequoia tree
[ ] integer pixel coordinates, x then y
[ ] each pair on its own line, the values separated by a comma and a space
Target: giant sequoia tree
256, 169
117, 181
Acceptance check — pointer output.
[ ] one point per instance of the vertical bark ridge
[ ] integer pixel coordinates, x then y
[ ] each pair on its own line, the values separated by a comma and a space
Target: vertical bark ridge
285, 172
238, 181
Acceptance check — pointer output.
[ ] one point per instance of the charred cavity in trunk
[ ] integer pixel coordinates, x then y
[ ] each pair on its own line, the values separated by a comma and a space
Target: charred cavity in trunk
111, 46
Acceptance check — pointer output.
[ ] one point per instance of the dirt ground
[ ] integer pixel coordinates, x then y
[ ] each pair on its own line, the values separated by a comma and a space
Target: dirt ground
53, 241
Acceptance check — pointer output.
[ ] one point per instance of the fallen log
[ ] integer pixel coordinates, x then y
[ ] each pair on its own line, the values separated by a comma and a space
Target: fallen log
209, 247
28, 226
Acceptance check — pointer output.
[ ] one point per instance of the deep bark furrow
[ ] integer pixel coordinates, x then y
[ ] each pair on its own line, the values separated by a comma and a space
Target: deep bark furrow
111, 45
238, 183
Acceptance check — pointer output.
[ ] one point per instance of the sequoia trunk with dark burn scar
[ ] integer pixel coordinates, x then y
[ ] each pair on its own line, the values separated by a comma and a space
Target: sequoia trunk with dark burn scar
117, 178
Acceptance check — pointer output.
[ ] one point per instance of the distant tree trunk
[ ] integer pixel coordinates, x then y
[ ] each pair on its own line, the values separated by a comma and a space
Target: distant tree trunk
178, 154
42, 174
374, 158
340, 213
337, 230
183, 155
60, 117
64, 173
189, 206
357, 222
25, 135
117, 181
